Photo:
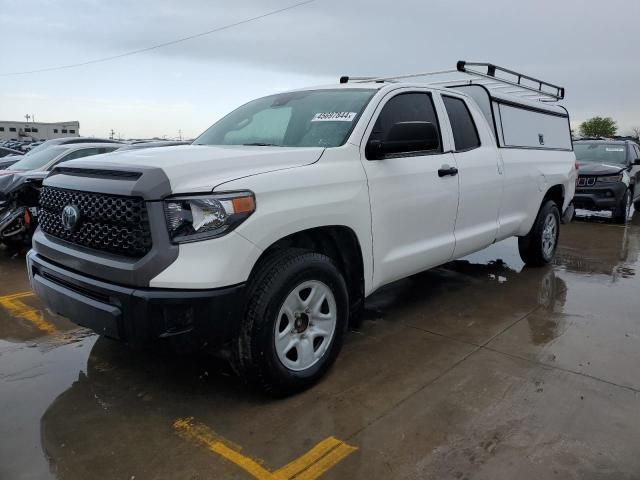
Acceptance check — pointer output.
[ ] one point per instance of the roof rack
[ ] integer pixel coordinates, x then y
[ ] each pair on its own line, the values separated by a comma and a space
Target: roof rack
510, 82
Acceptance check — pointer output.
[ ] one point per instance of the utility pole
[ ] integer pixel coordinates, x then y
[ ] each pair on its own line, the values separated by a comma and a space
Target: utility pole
112, 134
180, 134
27, 116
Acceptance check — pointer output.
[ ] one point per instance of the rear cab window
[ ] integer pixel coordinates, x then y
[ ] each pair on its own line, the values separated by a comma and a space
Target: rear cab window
465, 132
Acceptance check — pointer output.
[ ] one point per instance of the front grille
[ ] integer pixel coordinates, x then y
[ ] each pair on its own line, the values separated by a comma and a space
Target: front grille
108, 223
586, 181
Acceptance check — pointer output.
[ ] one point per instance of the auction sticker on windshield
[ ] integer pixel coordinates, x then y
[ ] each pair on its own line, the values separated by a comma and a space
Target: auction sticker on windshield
334, 117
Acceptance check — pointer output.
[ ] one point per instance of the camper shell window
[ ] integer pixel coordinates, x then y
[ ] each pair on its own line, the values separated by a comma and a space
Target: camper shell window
522, 125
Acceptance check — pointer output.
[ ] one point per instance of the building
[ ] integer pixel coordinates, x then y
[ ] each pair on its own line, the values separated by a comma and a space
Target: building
34, 131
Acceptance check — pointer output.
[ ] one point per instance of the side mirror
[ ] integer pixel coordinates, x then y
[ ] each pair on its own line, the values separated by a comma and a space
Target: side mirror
636, 161
404, 137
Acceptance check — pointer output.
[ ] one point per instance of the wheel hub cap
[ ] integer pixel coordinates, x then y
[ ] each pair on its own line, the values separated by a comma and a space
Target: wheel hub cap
301, 322
305, 325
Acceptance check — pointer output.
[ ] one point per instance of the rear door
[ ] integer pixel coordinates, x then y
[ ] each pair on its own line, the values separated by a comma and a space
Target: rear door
413, 208
480, 176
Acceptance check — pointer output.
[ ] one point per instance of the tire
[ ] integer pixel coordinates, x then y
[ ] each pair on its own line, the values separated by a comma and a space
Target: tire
276, 348
539, 246
621, 213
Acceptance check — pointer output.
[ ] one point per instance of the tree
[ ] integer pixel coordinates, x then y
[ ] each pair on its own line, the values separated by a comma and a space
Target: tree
636, 132
598, 127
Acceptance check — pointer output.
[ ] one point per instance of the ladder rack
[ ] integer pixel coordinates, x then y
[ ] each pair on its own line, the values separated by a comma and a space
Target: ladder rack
509, 82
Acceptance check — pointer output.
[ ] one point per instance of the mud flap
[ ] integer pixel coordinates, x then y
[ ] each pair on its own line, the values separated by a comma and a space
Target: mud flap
567, 216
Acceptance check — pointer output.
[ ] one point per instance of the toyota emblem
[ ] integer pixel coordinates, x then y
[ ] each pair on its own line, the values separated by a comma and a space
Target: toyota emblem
70, 217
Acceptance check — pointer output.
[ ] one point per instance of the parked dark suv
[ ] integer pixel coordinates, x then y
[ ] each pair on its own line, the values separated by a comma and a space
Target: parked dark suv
608, 173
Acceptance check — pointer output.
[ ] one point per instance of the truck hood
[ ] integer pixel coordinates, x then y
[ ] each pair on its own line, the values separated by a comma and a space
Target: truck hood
200, 168
599, 169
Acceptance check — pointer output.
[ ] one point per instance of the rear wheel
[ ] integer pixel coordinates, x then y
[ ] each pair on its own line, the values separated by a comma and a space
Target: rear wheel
539, 246
621, 213
296, 316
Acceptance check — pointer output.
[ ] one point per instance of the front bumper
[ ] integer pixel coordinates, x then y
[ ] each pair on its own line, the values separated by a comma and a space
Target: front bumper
139, 317
599, 197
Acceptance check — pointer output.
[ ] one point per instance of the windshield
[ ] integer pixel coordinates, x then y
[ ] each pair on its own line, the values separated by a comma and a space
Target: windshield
38, 160
39, 148
611, 153
311, 118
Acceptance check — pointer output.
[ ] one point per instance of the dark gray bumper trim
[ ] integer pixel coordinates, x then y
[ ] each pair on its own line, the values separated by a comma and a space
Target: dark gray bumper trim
86, 312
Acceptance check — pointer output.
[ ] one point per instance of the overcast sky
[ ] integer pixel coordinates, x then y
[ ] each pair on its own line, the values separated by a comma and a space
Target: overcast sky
589, 47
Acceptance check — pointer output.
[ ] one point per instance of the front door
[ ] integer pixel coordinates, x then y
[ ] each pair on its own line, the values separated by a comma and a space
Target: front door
414, 194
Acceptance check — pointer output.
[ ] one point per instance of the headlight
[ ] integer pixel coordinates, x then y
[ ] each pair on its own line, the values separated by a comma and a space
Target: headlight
610, 179
202, 217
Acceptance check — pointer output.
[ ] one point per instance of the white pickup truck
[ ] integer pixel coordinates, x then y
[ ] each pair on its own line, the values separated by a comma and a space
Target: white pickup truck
262, 239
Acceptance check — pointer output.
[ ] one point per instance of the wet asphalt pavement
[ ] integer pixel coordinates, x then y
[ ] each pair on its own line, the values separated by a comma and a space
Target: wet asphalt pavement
481, 369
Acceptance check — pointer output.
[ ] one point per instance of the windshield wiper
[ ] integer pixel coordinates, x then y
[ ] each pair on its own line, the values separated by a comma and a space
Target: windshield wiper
259, 144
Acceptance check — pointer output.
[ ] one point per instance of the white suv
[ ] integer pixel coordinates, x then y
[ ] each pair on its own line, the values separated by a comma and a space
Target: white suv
262, 239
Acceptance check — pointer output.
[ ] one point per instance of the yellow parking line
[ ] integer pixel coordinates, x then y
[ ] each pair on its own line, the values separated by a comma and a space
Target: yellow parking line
309, 466
13, 296
325, 463
17, 308
202, 433
303, 462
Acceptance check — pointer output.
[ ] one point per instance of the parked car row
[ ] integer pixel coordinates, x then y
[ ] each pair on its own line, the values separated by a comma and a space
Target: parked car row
19, 146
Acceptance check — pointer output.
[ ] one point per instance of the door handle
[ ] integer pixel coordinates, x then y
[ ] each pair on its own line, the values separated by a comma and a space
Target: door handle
445, 170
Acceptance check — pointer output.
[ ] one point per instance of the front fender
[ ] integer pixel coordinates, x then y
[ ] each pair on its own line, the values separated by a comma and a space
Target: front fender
330, 192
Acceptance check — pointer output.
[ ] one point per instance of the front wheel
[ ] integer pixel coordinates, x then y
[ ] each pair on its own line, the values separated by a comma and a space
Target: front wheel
539, 246
294, 323
621, 213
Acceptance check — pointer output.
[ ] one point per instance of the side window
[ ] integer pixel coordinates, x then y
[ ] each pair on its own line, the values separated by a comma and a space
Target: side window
465, 133
636, 152
408, 107
77, 154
